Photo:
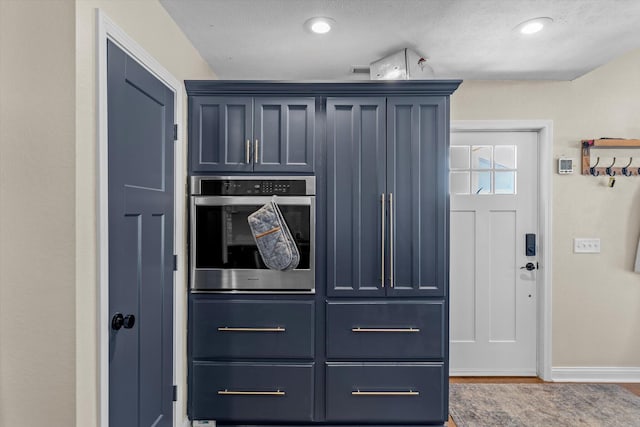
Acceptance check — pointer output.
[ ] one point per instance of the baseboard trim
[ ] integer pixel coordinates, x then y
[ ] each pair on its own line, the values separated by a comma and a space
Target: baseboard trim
596, 374
496, 373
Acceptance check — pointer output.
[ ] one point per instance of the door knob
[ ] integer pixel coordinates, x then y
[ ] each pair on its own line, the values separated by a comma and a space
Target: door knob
530, 266
118, 321
129, 321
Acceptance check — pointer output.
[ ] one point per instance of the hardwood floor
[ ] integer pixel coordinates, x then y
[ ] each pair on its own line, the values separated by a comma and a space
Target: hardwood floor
632, 387
495, 380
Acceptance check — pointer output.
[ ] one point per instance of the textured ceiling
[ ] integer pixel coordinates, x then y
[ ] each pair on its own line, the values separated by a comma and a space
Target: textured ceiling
467, 39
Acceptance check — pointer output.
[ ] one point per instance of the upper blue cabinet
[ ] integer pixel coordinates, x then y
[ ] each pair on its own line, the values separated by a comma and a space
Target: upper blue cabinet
251, 134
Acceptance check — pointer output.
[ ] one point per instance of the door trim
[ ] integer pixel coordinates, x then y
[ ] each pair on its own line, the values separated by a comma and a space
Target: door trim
108, 30
544, 129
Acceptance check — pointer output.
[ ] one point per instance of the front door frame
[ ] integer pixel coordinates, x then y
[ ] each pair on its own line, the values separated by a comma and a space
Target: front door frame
108, 30
544, 129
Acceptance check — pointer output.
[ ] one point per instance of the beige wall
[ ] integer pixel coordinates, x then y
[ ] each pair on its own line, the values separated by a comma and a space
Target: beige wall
146, 22
37, 213
596, 298
48, 285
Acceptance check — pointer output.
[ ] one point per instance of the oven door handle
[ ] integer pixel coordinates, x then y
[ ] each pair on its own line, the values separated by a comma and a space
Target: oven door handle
251, 200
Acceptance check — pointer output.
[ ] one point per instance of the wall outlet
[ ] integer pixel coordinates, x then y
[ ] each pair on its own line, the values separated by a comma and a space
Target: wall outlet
586, 245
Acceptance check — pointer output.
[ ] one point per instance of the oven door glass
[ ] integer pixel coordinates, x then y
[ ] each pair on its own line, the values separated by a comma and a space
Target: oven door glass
223, 239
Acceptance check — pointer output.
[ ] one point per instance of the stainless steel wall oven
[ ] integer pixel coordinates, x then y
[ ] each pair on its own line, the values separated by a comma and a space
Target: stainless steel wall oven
224, 256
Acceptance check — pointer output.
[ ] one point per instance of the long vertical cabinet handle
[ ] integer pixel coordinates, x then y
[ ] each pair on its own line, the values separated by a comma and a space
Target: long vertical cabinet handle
382, 244
256, 152
248, 152
391, 227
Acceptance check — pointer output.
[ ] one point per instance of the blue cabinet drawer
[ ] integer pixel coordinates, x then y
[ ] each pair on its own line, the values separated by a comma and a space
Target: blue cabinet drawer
252, 329
252, 392
385, 330
394, 393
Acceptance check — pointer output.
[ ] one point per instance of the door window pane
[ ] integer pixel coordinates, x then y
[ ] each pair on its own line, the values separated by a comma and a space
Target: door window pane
483, 169
481, 157
505, 182
459, 183
481, 183
460, 157
505, 157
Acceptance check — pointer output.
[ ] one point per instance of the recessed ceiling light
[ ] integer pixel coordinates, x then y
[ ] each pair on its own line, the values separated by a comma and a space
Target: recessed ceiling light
533, 26
319, 25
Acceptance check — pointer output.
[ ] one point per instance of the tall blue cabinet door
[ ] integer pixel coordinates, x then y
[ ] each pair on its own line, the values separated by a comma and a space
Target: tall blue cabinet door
417, 187
221, 133
355, 185
284, 134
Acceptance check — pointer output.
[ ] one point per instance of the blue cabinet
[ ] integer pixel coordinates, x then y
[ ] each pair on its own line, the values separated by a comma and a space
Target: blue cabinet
387, 237
371, 346
246, 134
417, 182
252, 391
252, 329
284, 131
386, 393
391, 330
356, 181
220, 134
387, 184
251, 359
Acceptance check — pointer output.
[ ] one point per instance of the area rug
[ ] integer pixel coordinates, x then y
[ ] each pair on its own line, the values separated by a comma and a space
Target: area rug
482, 405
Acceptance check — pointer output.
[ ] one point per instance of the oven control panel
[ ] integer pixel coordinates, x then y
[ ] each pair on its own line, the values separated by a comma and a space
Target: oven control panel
250, 187
270, 187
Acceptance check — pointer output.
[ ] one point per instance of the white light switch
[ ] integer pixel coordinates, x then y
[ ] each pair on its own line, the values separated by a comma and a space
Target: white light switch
586, 245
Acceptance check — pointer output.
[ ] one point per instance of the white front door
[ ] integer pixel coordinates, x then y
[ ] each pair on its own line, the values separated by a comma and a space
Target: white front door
494, 204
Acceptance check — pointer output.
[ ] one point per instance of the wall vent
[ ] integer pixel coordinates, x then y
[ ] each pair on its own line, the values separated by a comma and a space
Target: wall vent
360, 69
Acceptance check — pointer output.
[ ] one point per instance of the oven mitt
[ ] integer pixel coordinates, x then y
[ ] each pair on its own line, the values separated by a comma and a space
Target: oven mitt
273, 238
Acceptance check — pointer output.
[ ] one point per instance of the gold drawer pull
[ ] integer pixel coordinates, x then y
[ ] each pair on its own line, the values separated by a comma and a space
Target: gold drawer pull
385, 393
251, 393
385, 329
228, 329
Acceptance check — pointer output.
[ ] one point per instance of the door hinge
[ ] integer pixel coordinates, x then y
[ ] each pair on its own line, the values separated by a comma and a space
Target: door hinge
175, 132
175, 393
175, 263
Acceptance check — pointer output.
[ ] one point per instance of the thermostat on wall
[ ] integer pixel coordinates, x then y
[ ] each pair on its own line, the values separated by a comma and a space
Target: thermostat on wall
565, 165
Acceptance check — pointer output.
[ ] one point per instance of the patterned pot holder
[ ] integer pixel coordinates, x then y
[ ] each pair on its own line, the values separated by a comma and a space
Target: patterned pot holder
273, 238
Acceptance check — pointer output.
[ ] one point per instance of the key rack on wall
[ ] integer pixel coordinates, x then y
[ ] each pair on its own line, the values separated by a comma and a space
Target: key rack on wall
619, 167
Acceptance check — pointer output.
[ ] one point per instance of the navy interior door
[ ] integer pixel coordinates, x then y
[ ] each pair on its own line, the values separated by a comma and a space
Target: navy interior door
140, 114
